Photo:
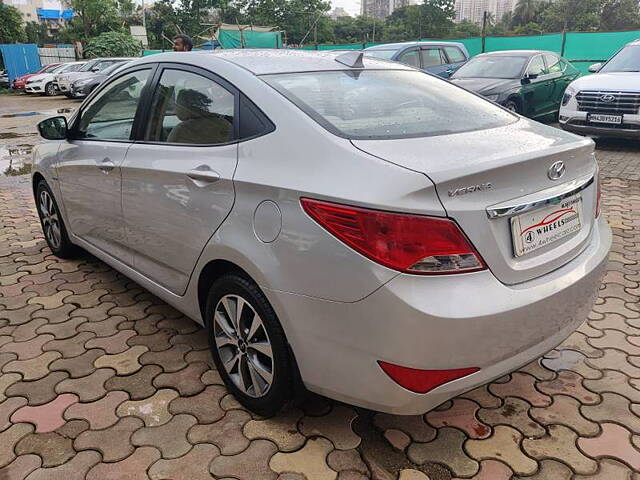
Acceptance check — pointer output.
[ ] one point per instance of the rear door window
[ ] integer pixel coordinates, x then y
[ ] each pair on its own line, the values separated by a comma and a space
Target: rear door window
455, 54
432, 57
411, 58
553, 64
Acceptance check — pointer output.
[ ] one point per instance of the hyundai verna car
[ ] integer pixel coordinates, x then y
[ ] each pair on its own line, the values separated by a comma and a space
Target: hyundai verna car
608, 103
529, 82
387, 238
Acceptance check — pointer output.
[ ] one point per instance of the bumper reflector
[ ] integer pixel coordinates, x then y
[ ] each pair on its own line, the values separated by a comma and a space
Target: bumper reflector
423, 381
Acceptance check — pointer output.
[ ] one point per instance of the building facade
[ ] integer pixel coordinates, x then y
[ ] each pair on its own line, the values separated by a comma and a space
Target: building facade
382, 8
52, 13
473, 10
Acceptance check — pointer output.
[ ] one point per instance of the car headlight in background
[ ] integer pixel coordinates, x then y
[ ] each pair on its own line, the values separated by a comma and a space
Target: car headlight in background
569, 93
80, 83
493, 98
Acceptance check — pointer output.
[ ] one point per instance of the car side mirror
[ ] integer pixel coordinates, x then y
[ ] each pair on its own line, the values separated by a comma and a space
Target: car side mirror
595, 68
526, 80
54, 128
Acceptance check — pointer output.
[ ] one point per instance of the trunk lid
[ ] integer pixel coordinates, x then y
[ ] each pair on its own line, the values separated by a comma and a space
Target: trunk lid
482, 171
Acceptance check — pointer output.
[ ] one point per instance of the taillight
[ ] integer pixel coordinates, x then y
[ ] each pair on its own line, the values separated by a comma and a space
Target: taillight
598, 195
408, 243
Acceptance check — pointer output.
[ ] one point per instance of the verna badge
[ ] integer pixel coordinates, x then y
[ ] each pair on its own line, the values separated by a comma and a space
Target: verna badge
556, 171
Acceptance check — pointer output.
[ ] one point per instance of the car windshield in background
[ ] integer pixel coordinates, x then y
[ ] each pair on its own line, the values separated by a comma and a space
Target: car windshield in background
384, 104
60, 68
492, 67
87, 66
383, 54
112, 68
627, 60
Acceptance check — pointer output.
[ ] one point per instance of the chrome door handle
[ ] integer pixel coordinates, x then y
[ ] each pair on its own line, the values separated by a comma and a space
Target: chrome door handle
203, 173
106, 165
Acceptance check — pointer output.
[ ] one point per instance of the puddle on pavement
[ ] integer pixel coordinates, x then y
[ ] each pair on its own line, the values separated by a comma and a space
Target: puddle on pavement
9, 135
15, 159
23, 114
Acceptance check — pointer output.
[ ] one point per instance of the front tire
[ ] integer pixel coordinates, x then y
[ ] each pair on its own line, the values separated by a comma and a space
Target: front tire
248, 345
55, 232
512, 106
50, 89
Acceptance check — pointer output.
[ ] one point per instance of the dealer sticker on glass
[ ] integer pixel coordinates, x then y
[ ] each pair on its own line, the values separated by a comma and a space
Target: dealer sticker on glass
539, 228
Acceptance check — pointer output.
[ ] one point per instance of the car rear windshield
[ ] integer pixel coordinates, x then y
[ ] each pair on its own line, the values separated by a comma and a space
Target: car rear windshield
383, 54
627, 60
492, 67
386, 104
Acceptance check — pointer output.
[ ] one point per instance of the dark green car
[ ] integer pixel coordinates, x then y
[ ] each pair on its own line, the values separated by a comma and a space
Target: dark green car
530, 82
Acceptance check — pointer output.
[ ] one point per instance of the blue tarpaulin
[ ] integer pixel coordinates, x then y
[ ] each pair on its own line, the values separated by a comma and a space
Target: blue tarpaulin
49, 14
20, 58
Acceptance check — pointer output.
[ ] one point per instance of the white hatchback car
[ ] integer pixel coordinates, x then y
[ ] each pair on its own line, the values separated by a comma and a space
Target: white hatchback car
45, 83
607, 103
387, 237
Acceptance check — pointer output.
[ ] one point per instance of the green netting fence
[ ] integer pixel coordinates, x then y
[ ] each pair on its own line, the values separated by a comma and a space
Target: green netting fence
581, 48
249, 39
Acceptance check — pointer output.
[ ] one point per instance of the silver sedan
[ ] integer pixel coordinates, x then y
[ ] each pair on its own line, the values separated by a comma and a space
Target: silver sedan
379, 235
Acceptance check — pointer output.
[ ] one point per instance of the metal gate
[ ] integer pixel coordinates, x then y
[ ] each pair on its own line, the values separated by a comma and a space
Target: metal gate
20, 58
57, 54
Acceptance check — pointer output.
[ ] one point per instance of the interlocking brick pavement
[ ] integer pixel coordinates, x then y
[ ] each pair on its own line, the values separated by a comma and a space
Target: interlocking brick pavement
101, 380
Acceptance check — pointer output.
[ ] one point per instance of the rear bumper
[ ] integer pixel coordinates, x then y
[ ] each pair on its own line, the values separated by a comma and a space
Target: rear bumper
576, 122
444, 322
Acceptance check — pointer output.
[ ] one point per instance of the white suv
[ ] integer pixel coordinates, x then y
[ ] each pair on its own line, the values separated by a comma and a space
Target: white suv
608, 103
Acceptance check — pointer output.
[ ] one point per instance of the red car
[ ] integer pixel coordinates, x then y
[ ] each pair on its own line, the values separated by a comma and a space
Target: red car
21, 82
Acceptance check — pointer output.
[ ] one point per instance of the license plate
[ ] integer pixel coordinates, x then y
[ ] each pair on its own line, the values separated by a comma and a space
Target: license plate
610, 119
539, 228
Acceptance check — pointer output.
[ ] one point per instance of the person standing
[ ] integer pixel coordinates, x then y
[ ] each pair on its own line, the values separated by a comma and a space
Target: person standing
182, 43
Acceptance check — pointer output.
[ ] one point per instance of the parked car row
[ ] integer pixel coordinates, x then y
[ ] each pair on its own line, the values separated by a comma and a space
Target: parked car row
538, 83
57, 78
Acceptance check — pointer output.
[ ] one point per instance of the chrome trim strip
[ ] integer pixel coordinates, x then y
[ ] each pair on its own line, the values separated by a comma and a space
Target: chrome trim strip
516, 209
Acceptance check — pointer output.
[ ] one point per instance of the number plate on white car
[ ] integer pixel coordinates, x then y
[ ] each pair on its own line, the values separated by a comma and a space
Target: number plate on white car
610, 119
539, 228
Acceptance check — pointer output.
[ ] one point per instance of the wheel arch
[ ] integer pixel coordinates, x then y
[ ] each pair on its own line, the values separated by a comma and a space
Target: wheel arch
35, 181
209, 274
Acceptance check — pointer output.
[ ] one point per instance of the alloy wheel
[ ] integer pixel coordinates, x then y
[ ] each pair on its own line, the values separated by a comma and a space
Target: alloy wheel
50, 89
243, 345
50, 220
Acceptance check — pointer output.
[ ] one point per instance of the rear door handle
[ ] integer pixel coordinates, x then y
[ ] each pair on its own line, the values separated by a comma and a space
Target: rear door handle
203, 173
106, 165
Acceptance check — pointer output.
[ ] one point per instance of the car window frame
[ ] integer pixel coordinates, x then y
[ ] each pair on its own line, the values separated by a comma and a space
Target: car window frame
237, 93
544, 63
137, 119
547, 66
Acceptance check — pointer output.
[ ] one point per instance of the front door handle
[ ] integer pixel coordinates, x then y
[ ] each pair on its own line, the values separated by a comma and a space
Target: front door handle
203, 173
106, 165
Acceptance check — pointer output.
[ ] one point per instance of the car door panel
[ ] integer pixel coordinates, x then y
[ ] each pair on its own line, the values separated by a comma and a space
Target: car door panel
176, 191
174, 198
89, 163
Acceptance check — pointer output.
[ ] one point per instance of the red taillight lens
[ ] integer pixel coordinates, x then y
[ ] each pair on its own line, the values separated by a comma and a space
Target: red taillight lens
409, 243
423, 381
598, 195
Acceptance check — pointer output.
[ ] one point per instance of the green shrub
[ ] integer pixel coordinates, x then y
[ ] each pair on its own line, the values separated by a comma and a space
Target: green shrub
113, 44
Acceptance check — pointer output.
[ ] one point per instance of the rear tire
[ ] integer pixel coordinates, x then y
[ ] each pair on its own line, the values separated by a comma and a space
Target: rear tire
249, 347
55, 232
50, 89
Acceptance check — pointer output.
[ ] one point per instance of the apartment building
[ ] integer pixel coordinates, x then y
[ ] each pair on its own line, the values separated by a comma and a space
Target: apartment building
473, 10
382, 8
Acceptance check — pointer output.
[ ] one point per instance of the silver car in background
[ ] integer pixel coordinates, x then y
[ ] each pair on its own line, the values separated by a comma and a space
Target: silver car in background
90, 68
382, 236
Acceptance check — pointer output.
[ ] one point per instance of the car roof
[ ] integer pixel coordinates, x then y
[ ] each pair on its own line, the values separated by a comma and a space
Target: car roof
635, 42
270, 61
396, 46
521, 53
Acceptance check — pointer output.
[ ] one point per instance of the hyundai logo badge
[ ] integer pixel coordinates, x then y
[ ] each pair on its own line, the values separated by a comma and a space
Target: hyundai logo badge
556, 171
608, 98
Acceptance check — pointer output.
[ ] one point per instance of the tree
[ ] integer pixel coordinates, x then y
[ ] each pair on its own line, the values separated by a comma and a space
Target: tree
526, 11
11, 30
571, 15
37, 33
113, 44
92, 17
620, 15
432, 19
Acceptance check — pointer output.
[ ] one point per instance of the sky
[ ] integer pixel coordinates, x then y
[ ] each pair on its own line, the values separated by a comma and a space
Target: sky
351, 6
